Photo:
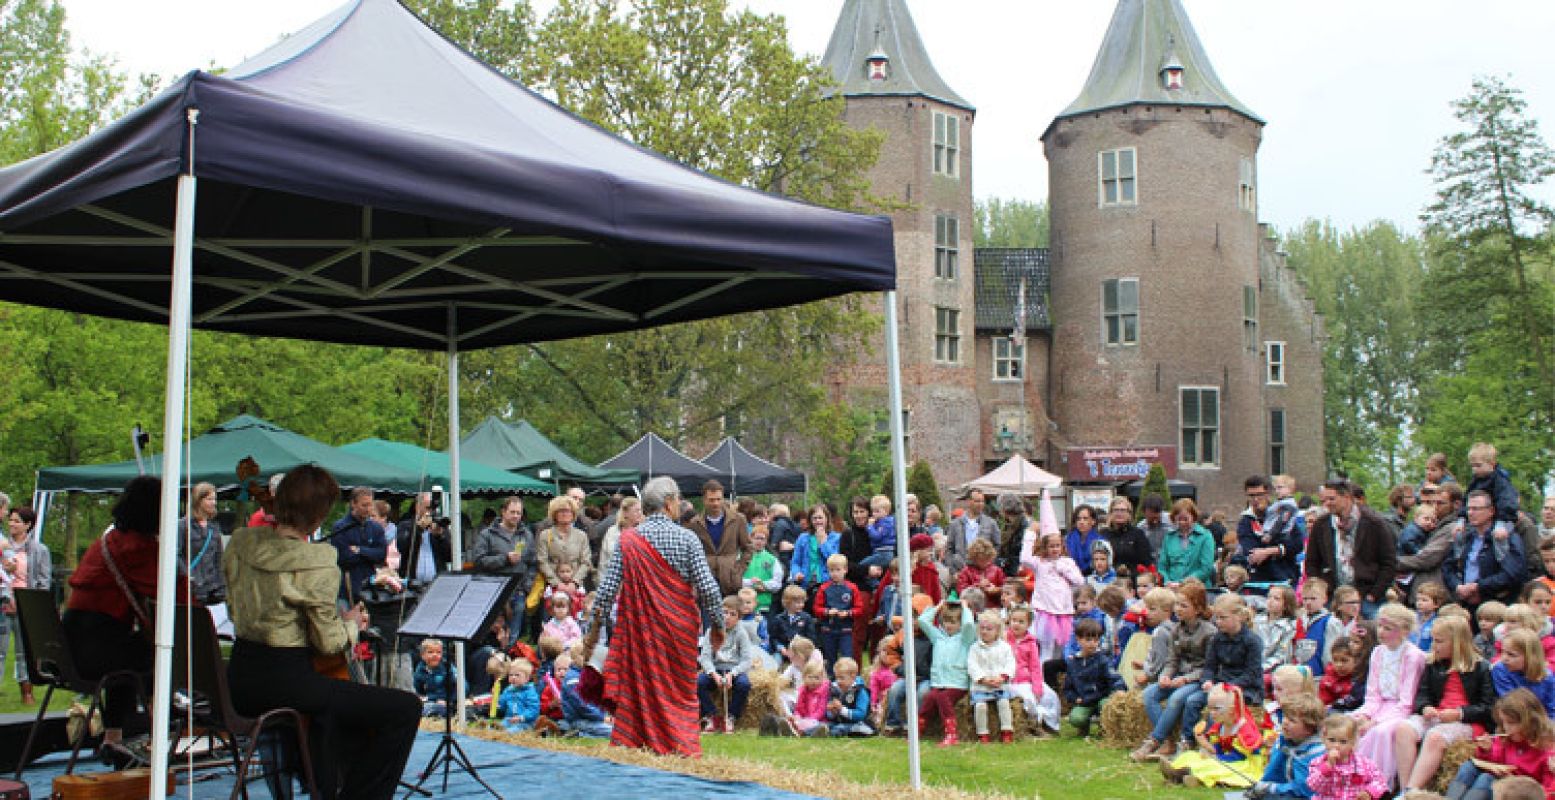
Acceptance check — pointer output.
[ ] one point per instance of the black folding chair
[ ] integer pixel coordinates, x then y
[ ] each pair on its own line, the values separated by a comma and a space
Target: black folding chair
50, 663
200, 670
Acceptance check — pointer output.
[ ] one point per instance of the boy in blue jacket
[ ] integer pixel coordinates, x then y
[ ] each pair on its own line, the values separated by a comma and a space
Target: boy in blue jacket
848, 709
1285, 778
838, 603
433, 680
1490, 476
1089, 678
579, 716
519, 704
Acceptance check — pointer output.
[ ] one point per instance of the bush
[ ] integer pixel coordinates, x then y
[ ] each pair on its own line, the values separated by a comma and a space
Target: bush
1155, 484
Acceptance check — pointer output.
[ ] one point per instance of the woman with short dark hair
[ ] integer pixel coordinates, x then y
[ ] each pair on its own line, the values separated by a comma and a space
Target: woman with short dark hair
105, 619
283, 591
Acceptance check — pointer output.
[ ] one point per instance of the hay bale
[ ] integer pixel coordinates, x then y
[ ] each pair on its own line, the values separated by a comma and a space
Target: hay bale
763, 701
1452, 758
966, 725
1123, 720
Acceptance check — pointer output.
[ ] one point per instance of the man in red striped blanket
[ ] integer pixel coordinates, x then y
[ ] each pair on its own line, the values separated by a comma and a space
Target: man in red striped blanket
656, 598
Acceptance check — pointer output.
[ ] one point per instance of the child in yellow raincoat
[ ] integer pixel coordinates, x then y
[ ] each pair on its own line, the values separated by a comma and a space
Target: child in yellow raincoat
1232, 751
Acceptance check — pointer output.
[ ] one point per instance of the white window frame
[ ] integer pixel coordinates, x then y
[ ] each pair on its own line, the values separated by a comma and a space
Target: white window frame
947, 144
947, 335
1277, 442
947, 247
1274, 361
1009, 360
1121, 313
1128, 181
1197, 430
1247, 187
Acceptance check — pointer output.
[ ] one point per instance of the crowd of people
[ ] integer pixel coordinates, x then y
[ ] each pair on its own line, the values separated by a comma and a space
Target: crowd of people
1305, 649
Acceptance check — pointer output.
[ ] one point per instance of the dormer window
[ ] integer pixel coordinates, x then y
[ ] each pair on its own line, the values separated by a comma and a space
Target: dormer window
1171, 77
877, 67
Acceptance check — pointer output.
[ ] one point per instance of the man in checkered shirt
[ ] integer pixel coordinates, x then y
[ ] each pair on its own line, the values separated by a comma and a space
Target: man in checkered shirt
646, 598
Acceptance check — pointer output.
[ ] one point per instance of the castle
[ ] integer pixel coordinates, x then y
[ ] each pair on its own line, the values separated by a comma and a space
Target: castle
1161, 325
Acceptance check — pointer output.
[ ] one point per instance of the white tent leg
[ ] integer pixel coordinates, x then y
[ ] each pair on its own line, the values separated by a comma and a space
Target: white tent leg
903, 552
456, 532
172, 470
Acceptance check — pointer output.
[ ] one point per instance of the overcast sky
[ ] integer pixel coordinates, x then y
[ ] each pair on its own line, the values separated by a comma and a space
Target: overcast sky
1355, 94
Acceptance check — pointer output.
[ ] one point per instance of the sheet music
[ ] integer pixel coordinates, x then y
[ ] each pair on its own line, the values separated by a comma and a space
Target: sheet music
455, 606
465, 618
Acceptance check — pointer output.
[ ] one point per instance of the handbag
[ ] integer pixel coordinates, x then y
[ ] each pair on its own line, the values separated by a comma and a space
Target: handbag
136, 605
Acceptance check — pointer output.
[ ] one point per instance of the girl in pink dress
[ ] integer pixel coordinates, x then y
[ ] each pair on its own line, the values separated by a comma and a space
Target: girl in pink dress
1055, 577
1391, 682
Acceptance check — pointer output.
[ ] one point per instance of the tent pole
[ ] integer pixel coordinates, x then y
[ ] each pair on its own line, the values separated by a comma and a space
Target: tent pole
903, 552
456, 524
172, 468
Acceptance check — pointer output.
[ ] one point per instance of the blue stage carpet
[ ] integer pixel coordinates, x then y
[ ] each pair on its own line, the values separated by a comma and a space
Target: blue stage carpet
516, 772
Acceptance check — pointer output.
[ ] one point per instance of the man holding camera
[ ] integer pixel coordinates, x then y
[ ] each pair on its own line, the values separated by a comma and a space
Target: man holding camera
422, 539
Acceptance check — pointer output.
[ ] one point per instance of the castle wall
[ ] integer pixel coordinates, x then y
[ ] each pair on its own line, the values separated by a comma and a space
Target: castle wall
1289, 317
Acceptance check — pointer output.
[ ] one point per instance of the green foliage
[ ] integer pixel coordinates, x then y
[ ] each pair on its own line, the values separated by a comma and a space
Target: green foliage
1367, 283
1490, 321
920, 481
1156, 486
847, 451
1010, 223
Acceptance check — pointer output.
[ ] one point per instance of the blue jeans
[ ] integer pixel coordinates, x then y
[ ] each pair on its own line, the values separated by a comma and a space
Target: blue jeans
835, 644
738, 692
1184, 704
1470, 778
896, 702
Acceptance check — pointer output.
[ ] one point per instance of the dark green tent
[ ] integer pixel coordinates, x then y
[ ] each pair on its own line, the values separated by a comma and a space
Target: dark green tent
520, 448
214, 457
474, 478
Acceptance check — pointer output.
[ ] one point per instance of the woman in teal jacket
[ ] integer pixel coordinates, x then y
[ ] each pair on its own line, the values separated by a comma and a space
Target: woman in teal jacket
1189, 551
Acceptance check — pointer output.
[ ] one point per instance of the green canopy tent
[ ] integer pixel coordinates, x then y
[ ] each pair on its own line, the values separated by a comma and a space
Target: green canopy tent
474, 478
523, 449
214, 456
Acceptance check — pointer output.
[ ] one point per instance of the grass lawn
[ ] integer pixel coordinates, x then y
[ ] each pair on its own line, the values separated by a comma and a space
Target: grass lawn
1055, 768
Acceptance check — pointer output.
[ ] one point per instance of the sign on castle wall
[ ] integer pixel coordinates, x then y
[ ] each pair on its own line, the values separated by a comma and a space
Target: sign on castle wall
1119, 463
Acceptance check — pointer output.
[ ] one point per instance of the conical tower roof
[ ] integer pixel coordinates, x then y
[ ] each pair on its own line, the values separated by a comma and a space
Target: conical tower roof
1146, 37
872, 28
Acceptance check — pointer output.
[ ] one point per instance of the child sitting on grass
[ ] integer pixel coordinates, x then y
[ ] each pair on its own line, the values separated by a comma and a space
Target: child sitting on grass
519, 704
951, 640
807, 717
1285, 778
990, 666
433, 680
1088, 678
801, 654
847, 707
1341, 773
579, 716
1231, 750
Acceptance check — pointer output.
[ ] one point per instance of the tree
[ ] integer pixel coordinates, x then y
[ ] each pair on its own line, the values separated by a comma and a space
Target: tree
1491, 320
1010, 223
1155, 486
1367, 284
920, 482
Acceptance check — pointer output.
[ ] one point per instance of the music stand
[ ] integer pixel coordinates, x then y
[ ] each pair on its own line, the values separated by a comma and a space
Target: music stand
457, 606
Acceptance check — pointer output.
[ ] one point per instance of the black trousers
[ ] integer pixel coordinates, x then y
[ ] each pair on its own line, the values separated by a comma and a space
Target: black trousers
360, 735
101, 644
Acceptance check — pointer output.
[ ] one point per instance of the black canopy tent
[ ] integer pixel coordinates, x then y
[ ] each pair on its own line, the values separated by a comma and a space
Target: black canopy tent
366, 181
653, 457
749, 473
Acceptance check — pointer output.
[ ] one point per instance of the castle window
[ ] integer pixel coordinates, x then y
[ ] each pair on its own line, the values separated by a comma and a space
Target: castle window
1009, 359
1276, 441
1250, 318
1118, 176
1274, 353
1120, 311
1199, 412
947, 335
1246, 193
947, 144
947, 247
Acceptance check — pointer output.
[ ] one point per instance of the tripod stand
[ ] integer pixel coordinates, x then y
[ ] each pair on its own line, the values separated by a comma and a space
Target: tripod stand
447, 755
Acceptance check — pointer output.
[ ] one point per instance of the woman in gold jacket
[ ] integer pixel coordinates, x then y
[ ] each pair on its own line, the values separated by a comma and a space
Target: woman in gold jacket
281, 589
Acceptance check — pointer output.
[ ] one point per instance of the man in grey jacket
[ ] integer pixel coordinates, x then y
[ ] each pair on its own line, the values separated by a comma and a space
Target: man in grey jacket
974, 524
507, 547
